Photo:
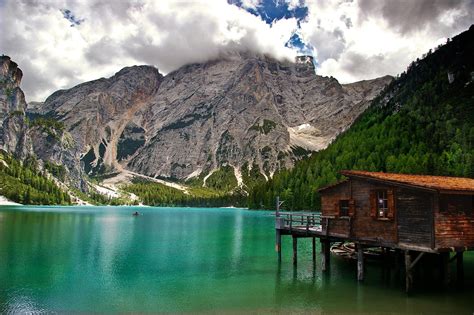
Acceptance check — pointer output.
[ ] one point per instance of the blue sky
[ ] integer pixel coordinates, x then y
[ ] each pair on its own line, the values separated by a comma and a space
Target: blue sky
274, 10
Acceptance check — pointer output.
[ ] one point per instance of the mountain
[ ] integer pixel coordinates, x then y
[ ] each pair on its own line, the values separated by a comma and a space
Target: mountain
13, 129
22, 178
422, 123
239, 115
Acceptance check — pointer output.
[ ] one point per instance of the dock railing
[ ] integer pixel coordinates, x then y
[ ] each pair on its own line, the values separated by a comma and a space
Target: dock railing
298, 221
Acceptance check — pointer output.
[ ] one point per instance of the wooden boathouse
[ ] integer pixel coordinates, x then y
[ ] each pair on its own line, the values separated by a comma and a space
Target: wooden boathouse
410, 215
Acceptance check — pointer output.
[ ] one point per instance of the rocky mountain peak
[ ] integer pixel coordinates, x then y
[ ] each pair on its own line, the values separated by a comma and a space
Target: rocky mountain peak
9, 72
249, 112
13, 129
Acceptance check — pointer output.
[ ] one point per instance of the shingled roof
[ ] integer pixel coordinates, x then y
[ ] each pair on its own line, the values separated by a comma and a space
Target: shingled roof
440, 183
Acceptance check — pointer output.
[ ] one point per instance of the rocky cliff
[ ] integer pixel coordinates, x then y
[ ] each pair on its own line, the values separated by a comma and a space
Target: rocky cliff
13, 128
243, 111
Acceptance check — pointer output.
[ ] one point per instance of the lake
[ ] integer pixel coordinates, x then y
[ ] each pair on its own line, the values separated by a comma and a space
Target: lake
102, 259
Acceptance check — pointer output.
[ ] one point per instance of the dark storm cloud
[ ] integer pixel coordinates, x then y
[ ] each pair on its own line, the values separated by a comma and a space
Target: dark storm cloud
410, 15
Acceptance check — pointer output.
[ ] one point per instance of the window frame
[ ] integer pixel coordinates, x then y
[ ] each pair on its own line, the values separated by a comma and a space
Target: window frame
382, 207
346, 208
385, 211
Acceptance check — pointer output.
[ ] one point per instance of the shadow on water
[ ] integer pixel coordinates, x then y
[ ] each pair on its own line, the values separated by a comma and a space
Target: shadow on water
383, 289
103, 259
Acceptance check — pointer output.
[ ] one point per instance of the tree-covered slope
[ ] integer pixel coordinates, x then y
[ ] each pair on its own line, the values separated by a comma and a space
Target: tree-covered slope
25, 183
422, 123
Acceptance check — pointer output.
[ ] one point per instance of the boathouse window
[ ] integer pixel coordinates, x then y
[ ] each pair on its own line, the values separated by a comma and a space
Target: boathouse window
382, 204
344, 208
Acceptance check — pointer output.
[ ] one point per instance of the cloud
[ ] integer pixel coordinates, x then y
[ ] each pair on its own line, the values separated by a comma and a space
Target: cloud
356, 40
351, 39
409, 16
108, 35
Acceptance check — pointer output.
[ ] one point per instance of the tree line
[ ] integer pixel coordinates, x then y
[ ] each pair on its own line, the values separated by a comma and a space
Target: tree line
420, 124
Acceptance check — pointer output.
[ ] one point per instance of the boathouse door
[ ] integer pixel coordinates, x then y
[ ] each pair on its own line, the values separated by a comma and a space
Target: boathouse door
414, 216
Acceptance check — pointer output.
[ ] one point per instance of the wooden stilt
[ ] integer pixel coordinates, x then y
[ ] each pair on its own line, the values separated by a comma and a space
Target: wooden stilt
445, 269
278, 244
360, 263
398, 264
325, 257
314, 249
460, 268
408, 273
295, 250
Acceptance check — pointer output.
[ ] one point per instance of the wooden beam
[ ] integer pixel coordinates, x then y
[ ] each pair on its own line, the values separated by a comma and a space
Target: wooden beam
416, 260
408, 273
326, 256
460, 268
278, 244
444, 261
360, 263
295, 250
314, 250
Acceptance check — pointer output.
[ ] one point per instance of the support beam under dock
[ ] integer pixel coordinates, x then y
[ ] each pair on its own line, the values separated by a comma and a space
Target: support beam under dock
360, 263
278, 244
408, 272
326, 256
295, 250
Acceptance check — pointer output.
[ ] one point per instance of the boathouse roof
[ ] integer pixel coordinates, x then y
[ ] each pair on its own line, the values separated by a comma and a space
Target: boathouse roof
439, 183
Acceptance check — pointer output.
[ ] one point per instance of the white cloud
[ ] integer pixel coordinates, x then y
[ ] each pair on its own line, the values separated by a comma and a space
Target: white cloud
356, 40
114, 34
352, 40
251, 4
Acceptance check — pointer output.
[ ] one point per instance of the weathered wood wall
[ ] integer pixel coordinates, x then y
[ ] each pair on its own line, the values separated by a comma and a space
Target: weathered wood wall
420, 218
415, 217
454, 221
329, 199
364, 226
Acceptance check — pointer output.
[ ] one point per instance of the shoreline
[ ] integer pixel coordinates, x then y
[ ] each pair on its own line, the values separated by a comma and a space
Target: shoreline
5, 202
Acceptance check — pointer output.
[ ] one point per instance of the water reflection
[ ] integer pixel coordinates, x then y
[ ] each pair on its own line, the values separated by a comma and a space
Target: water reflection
176, 260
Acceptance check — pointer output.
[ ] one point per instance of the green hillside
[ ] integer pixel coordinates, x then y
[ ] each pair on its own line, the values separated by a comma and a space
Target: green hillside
23, 182
421, 123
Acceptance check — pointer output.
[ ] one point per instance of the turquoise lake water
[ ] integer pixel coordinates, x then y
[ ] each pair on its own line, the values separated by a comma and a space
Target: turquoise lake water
102, 259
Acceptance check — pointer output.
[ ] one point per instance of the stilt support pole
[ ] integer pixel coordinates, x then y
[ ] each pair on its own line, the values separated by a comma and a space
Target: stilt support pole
278, 244
408, 273
295, 250
326, 256
360, 263
460, 268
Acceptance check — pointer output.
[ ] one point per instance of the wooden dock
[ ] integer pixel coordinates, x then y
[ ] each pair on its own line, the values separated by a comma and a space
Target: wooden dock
412, 219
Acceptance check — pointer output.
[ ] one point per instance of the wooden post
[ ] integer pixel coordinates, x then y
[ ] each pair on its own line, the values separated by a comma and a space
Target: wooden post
445, 269
278, 232
398, 264
460, 268
360, 263
325, 257
314, 250
408, 273
278, 244
295, 250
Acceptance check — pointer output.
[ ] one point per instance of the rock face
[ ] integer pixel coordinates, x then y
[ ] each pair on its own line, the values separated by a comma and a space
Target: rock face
242, 110
37, 138
13, 128
97, 113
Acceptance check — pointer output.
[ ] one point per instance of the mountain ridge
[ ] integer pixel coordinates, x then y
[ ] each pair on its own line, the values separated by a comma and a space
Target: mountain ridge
206, 106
